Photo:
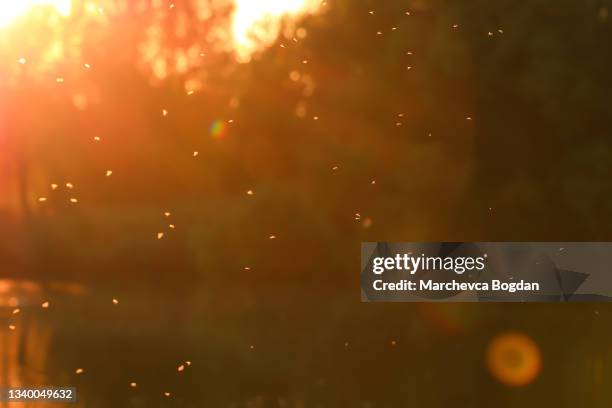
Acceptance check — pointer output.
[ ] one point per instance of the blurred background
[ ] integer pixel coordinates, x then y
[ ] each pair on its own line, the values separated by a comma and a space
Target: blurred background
184, 187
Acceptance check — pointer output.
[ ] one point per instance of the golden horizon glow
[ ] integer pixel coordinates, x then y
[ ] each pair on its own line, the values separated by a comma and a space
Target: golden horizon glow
253, 26
257, 24
11, 10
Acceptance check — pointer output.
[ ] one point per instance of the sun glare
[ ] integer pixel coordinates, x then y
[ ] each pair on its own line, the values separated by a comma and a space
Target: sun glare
253, 26
12, 9
257, 24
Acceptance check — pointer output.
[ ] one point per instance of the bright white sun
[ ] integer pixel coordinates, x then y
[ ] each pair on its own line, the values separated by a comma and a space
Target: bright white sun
12, 9
257, 23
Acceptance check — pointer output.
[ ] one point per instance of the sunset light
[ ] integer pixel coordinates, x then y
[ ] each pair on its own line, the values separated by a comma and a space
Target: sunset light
305, 204
10, 10
256, 25
251, 27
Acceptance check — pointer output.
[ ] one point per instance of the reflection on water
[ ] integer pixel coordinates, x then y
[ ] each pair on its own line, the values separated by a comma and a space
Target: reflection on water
182, 348
27, 333
24, 346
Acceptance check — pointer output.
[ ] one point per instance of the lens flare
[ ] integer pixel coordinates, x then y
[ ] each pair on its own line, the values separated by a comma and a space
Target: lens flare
218, 129
257, 24
514, 359
11, 10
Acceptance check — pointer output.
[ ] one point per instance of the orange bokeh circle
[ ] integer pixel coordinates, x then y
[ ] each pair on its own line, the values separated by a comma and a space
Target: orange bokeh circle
514, 359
